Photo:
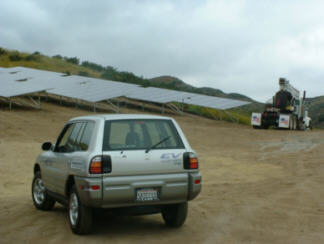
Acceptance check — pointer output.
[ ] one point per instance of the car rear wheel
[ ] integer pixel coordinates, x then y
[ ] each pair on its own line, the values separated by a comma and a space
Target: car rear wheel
40, 196
80, 216
175, 215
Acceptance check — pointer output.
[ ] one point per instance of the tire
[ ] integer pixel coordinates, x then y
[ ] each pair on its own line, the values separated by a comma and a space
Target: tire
298, 124
295, 123
175, 215
40, 196
265, 127
291, 123
304, 127
80, 216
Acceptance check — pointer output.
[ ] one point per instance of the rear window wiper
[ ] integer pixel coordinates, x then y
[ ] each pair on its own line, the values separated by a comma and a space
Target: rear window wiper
155, 145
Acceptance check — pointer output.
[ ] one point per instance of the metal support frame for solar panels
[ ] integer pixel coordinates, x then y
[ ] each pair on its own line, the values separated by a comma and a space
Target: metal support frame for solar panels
162, 109
221, 117
230, 116
113, 106
33, 103
7, 99
20, 102
144, 105
105, 106
174, 108
211, 114
238, 110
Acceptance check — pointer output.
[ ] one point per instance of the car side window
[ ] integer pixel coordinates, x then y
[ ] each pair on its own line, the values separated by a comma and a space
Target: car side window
72, 142
78, 139
75, 137
86, 136
63, 139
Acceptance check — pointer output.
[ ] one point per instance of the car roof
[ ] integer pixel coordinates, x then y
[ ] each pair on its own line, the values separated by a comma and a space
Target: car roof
119, 117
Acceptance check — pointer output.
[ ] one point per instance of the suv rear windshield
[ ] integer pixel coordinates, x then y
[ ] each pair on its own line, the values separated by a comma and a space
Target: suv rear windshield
140, 134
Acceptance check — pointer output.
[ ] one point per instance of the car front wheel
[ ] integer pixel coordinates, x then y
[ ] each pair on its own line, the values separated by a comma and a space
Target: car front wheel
40, 196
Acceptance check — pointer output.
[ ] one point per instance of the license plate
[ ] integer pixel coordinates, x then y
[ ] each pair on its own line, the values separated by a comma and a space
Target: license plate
147, 194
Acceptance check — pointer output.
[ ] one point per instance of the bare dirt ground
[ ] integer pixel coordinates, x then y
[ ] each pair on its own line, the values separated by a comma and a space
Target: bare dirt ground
259, 186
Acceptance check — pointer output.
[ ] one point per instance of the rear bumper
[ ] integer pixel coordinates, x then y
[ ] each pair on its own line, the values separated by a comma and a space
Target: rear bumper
120, 191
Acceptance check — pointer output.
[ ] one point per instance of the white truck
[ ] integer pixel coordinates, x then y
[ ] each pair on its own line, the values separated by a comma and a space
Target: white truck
287, 110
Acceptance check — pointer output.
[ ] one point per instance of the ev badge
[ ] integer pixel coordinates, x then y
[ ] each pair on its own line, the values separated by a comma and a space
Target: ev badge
171, 158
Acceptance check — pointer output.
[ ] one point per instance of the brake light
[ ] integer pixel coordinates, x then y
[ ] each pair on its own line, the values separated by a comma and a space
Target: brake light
100, 165
96, 165
193, 163
190, 161
95, 188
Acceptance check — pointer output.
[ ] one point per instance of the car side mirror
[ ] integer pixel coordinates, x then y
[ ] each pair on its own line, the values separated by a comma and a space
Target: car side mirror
46, 146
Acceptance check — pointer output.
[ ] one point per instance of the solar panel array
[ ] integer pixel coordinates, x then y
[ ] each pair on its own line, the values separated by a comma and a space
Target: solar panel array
20, 81
90, 89
160, 95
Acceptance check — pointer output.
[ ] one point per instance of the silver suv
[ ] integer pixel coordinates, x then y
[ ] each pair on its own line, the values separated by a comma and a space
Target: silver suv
131, 163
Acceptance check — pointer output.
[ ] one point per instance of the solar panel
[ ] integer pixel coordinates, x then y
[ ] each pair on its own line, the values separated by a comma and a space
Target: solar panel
17, 81
160, 95
91, 89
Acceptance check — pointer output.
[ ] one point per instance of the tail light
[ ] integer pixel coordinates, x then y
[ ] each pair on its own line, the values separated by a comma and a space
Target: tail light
100, 165
190, 161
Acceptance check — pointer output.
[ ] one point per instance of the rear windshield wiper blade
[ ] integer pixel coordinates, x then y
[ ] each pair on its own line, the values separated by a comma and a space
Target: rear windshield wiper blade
155, 145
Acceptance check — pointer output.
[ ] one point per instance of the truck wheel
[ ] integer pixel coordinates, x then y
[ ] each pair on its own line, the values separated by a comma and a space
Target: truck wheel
40, 196
295, 124
291, 123
80, 217
175, 215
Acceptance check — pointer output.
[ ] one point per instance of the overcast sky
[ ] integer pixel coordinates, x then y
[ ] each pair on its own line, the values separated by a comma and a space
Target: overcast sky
240, 46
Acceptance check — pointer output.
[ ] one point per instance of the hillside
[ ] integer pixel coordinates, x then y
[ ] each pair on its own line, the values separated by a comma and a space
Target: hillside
316, 110
175, 83
73, 66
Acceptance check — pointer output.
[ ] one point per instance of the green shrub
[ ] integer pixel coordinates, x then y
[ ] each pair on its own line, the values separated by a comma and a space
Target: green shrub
93, 66
67, 73
2, 51
32, 57
84, 73
57, 56
73, 60
15, 57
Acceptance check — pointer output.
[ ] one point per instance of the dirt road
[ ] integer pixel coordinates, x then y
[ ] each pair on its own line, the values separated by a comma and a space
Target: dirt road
258, 186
